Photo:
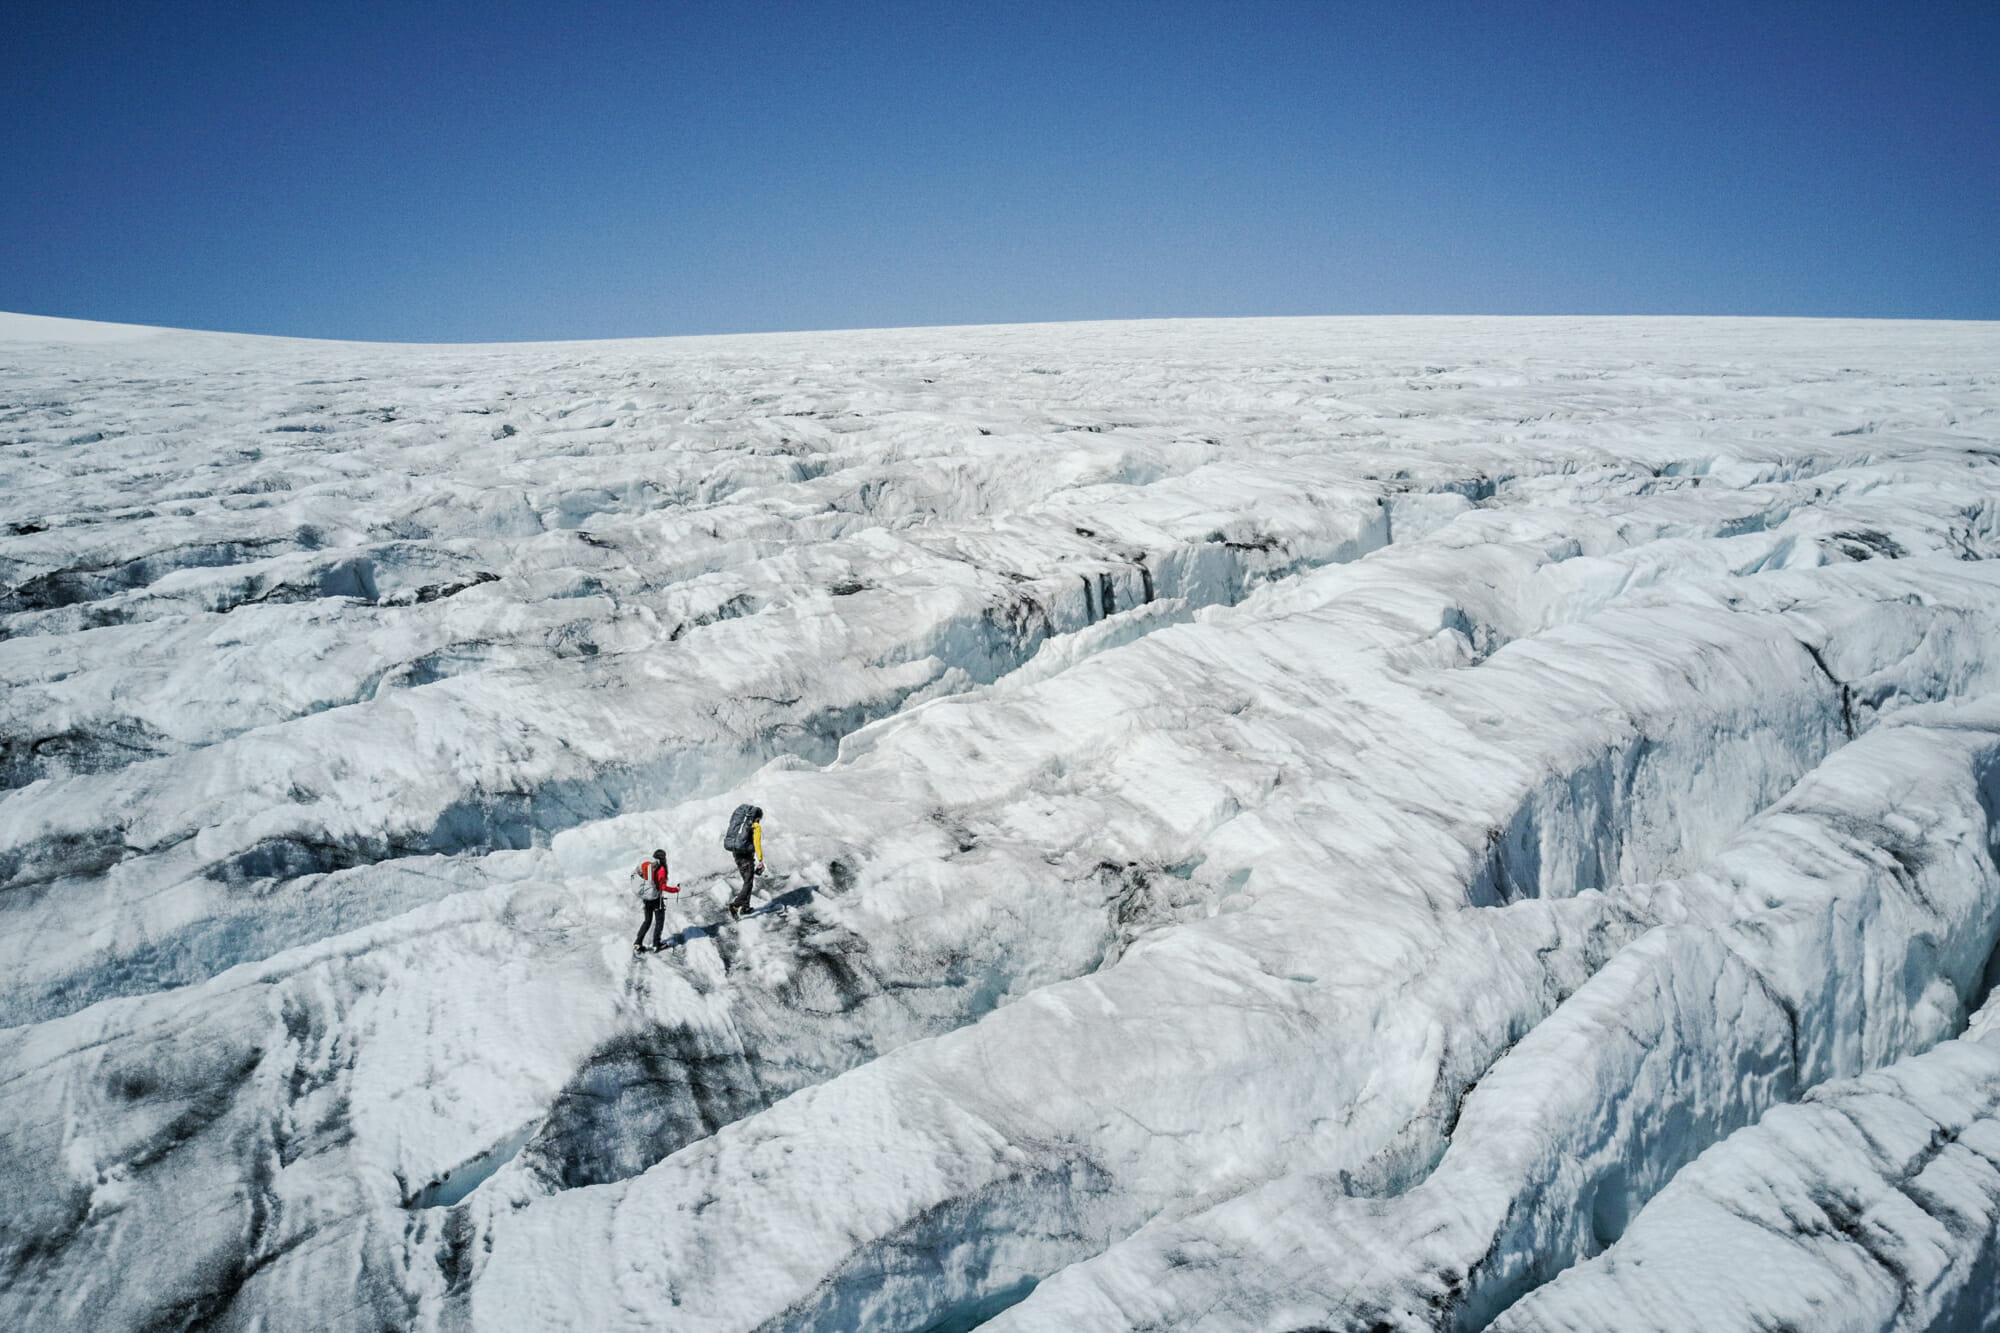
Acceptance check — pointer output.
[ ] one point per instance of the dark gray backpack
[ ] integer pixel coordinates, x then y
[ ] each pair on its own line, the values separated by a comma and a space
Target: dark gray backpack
738, 838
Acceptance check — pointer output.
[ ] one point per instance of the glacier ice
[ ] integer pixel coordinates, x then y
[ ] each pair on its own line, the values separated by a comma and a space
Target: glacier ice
1275, 824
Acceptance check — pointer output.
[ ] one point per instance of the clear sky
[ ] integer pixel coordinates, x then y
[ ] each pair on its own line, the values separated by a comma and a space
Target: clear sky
498, 170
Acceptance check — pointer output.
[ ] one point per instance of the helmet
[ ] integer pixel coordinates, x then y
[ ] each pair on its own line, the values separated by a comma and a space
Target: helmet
659, 855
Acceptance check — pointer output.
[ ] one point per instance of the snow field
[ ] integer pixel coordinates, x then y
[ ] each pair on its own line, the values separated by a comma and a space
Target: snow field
1203, 842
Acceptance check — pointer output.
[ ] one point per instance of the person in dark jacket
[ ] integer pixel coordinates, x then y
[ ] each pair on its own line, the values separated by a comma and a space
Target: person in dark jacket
745, 841
653, 888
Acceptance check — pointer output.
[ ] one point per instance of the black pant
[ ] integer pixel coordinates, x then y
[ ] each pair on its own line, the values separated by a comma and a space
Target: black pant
656, 917
746, 866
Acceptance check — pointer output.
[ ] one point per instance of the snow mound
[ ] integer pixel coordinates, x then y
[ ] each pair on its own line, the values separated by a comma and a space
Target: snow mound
1273, 824
50, 329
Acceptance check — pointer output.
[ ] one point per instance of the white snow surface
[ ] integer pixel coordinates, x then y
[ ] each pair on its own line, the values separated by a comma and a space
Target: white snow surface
1273, 824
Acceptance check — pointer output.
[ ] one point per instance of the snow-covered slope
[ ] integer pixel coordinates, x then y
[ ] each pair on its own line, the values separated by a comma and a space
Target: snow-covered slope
1274, 824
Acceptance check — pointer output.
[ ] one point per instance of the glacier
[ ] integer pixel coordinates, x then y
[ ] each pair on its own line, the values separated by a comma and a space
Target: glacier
1380, 823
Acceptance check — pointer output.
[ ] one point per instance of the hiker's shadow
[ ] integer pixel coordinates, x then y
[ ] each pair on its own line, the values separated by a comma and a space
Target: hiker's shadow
784, 902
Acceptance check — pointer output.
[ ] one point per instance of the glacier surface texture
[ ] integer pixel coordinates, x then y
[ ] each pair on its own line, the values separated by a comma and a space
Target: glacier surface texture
1373, 824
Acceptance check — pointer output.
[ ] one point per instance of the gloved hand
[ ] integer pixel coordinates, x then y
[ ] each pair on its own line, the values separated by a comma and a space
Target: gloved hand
760, 867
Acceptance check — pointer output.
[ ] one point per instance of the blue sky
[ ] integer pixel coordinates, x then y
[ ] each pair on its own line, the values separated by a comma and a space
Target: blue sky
498, 170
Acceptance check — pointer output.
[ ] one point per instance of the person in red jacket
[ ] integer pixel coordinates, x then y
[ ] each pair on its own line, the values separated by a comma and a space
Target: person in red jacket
652, 877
